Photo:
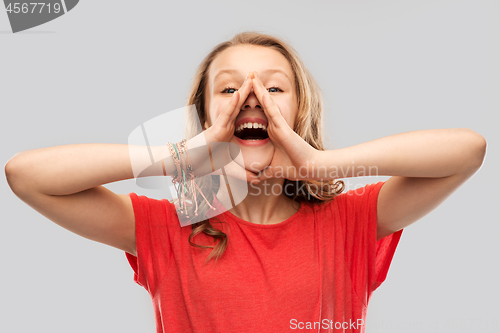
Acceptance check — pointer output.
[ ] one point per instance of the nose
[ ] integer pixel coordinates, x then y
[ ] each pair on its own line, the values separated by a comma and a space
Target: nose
251, 102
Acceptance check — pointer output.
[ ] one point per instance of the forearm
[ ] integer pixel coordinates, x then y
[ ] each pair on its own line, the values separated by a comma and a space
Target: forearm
68, 169
425, 153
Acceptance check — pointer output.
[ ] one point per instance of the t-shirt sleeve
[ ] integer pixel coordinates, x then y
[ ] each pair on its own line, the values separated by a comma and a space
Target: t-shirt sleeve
152, 240
369, 259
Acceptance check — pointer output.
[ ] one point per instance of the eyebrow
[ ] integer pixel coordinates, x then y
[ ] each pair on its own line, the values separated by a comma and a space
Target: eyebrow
233, 71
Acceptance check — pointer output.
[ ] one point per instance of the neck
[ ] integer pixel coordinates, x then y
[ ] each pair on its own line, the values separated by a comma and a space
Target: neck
265, 203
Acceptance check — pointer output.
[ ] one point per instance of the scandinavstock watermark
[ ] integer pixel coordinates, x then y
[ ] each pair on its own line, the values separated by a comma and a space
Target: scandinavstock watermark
25, 15
312, 171
326, 324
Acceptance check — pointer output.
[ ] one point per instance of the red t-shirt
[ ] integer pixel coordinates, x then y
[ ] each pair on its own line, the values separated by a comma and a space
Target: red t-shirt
314, 272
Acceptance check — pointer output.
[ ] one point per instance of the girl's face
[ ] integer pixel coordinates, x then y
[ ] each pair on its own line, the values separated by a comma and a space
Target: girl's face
227, 74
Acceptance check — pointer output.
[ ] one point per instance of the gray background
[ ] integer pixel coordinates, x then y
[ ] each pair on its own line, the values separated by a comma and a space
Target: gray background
385, 67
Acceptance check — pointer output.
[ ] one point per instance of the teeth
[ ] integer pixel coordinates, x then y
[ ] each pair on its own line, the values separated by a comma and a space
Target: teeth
251, 125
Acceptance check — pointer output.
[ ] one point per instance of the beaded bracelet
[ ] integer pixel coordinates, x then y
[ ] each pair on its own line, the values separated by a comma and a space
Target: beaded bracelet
175, 156
184, 178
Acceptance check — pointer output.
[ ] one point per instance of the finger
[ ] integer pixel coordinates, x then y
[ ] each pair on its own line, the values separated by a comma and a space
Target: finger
252, 177
244, 91
234, 106
267, 173
270, 107
226, 114
236, 171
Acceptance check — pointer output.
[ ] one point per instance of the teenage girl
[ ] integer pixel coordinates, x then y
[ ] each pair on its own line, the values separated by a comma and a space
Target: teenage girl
296, 253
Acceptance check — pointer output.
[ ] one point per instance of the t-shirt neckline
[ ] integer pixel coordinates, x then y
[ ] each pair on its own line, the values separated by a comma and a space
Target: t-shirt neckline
292, 218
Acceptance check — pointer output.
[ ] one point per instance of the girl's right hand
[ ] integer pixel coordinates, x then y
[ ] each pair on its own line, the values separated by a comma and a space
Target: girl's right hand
222, 130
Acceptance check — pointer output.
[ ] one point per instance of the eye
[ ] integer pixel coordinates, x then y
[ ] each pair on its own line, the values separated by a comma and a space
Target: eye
225, 91
275, 88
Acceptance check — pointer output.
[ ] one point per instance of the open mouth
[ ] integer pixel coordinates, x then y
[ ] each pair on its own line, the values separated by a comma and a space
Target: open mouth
251, 131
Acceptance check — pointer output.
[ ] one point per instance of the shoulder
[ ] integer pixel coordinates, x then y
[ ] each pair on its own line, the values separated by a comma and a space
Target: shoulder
348, 203
153, 210
361, 195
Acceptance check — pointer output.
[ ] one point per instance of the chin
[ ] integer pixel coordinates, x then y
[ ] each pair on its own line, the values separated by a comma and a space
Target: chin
255, 157
257, 161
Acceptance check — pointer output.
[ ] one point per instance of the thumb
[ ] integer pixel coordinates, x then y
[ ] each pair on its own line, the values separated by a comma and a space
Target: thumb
252, 177
234, 170
266, 173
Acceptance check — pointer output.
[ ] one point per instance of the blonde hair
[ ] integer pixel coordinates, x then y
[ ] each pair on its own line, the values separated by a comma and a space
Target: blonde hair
308, 126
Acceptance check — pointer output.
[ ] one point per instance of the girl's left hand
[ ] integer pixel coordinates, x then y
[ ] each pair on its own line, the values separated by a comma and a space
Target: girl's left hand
293, 157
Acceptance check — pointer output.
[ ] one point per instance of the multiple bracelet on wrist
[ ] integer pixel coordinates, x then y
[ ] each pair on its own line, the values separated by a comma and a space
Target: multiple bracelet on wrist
184, 178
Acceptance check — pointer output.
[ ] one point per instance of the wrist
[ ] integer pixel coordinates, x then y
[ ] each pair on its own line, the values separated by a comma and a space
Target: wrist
322, 166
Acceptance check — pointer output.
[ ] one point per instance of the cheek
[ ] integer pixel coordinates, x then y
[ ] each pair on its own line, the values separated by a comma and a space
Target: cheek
289, 111
213, 111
